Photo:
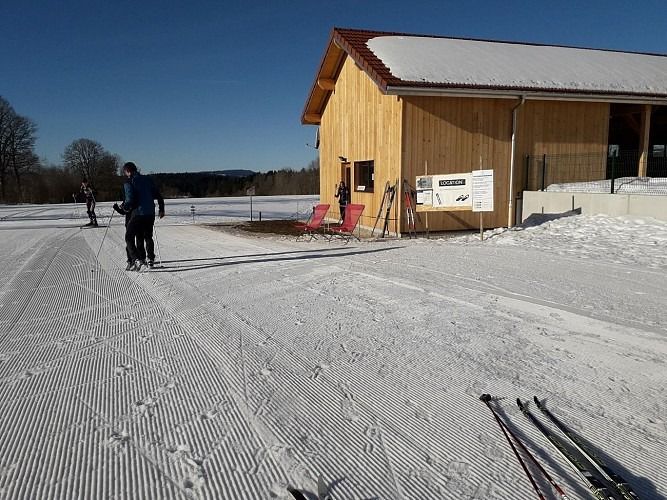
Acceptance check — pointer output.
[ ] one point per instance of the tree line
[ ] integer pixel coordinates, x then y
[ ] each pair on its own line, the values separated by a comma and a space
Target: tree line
273, 182
25, 178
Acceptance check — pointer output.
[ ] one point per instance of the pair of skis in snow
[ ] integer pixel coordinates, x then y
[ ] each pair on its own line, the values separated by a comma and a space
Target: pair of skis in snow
322, 491
585, 466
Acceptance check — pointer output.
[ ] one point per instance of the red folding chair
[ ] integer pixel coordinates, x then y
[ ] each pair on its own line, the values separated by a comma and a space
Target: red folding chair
346, 229
311, 227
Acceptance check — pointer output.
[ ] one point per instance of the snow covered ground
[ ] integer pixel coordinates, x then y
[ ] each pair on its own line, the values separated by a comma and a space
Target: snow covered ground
247, 364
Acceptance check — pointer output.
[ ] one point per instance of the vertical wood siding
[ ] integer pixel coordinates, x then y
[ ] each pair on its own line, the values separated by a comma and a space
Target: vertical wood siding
359, 123
455, 135
452, 134
574, 134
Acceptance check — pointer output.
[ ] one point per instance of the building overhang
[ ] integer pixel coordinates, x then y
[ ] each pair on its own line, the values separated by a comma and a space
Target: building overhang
526, 94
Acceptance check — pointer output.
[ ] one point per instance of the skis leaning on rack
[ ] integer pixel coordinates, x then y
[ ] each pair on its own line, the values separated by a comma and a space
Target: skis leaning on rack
619, 484
409, 200
385, 204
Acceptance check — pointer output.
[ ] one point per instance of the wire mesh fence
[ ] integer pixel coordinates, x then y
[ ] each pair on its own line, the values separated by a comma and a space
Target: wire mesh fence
596, 173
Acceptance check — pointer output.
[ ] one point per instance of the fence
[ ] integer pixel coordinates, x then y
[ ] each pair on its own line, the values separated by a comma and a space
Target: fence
596, 173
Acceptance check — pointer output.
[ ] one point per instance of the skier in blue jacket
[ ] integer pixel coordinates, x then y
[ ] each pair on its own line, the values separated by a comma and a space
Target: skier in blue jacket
140, 191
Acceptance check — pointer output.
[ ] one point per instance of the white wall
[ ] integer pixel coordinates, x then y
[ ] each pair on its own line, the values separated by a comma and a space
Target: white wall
594, 203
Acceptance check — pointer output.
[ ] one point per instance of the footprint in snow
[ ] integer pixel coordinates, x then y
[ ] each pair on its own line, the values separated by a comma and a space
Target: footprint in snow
124, 369
349, 411
317, 371
118, 438
146, 405
166, 387
209, 414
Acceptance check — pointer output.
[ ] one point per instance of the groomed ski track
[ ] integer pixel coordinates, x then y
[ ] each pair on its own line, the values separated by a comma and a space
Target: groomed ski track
249, 364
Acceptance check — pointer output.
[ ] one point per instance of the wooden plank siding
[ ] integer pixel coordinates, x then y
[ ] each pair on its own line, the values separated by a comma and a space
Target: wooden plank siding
454, 135
573, 134
359, 123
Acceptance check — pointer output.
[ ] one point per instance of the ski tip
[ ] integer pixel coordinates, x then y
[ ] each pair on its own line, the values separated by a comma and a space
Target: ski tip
537, 402
297, 494
322, 488
520, 404
485, 398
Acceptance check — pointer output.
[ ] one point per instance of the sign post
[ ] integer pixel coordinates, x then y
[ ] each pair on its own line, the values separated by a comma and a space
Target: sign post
250, 192
482, 195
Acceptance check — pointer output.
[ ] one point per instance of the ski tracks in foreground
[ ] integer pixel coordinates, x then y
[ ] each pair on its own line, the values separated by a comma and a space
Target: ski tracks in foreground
276, 361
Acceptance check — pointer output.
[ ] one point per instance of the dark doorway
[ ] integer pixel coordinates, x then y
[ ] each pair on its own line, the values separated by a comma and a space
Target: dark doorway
624, 139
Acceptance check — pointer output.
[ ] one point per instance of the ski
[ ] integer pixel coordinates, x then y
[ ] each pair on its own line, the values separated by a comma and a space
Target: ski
486, 399
322, 491
617, 481
297, 494
596, 487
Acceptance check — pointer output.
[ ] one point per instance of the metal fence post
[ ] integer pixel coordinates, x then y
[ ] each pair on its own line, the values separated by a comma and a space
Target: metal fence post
544, 170
525, 184
613, 172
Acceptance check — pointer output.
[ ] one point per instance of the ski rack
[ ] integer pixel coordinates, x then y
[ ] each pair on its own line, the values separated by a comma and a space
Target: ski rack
386, 204
410, 202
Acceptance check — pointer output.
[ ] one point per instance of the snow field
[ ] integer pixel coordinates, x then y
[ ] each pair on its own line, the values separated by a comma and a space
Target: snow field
247, 364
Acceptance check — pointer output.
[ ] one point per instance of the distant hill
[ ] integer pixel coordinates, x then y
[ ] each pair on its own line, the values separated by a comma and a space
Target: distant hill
229, 173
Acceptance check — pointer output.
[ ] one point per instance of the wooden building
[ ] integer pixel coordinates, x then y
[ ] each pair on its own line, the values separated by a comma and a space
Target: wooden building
393, 106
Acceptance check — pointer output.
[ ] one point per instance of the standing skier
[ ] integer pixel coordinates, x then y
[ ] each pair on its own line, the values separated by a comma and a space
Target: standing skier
139, 239
140, 191
343, 195
90, 202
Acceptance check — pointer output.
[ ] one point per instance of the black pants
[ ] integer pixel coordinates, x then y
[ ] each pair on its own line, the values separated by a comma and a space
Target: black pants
90, 209
342, 211
139, 231
139, 243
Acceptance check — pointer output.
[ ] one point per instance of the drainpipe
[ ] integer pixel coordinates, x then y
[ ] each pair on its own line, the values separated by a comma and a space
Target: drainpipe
510, 214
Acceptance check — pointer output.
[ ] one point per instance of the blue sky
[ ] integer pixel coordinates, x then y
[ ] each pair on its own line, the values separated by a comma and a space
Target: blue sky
213, 85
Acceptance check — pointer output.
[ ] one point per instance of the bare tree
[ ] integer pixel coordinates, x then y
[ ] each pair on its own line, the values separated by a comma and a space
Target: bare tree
7, 115
83, 157
17, 145
21, 148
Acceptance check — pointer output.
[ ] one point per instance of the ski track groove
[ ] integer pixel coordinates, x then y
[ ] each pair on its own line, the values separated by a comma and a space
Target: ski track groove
314, 395
242, 323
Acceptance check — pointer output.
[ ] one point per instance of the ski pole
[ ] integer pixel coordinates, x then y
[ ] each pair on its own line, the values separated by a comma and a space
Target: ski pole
103, 237
75, 214
486, 399
157, 243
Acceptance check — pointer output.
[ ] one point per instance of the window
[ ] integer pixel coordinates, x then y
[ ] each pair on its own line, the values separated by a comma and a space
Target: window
364, 176
658, 151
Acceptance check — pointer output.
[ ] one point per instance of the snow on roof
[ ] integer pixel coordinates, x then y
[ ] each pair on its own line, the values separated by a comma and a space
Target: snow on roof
474, 63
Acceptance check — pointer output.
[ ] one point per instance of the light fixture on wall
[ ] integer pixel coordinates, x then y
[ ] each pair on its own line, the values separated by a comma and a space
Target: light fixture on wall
342, 159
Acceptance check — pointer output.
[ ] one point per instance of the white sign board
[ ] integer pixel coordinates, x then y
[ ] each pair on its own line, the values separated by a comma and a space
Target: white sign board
482, 190
444, 192
250, 191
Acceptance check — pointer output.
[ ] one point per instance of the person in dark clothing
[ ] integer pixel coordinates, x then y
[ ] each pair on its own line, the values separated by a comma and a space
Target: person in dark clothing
87, 192
139, 239
140, 191
343, 195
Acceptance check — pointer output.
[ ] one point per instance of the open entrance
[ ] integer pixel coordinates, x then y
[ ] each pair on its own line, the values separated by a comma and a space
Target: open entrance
627, 138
